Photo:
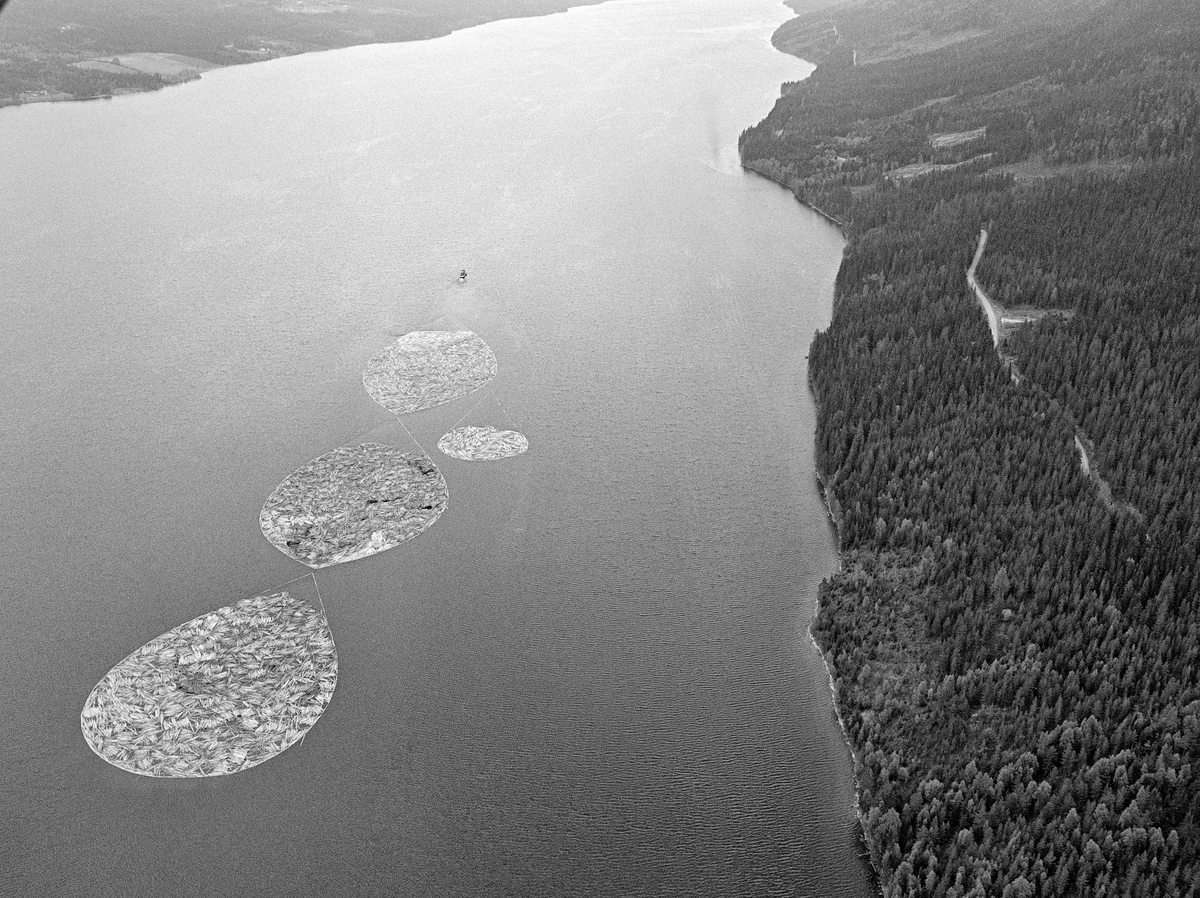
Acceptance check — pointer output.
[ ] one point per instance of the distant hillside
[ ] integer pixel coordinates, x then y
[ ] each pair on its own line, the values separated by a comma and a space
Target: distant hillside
1015, 632
866, 31
63, 49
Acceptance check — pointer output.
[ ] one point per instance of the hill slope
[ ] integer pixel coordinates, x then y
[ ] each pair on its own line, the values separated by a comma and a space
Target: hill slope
1016, 630
65, 49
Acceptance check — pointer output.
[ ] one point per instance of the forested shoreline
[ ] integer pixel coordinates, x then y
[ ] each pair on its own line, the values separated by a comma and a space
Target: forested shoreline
1016, 651
79, 50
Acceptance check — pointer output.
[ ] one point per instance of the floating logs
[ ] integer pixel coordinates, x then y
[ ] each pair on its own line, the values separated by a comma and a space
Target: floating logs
353, 502
482, 443
219, 694
426, 368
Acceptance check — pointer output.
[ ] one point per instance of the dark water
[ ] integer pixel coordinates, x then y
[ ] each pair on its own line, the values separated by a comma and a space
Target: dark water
592, 676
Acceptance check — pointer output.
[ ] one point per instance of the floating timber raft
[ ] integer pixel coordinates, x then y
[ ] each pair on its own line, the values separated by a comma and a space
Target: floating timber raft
353, 502
427, 368
482, 443
219, 694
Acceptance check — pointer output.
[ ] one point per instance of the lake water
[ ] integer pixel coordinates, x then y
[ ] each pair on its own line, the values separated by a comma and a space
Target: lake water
592, 676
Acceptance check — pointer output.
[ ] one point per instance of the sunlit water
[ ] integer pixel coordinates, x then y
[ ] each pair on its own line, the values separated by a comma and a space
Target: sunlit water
592, 676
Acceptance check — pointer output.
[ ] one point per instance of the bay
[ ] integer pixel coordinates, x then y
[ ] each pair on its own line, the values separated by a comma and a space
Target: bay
592, 676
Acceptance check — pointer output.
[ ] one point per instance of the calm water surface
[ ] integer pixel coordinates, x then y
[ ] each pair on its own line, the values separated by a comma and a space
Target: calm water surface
592, 677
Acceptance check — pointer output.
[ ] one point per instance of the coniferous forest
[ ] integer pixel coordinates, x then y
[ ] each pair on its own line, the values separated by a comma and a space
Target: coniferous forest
1015, 630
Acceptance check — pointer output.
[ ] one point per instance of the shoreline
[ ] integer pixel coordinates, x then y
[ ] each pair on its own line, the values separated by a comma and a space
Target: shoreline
860, 824
750, 167
49, 96
833, 510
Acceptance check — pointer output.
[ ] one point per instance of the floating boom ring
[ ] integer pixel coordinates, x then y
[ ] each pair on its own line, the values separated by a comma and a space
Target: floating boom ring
427, 368
482, 443
353, 502
219, 694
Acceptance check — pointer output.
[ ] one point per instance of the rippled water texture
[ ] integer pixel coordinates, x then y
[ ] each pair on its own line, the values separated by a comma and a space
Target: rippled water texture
592, 676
